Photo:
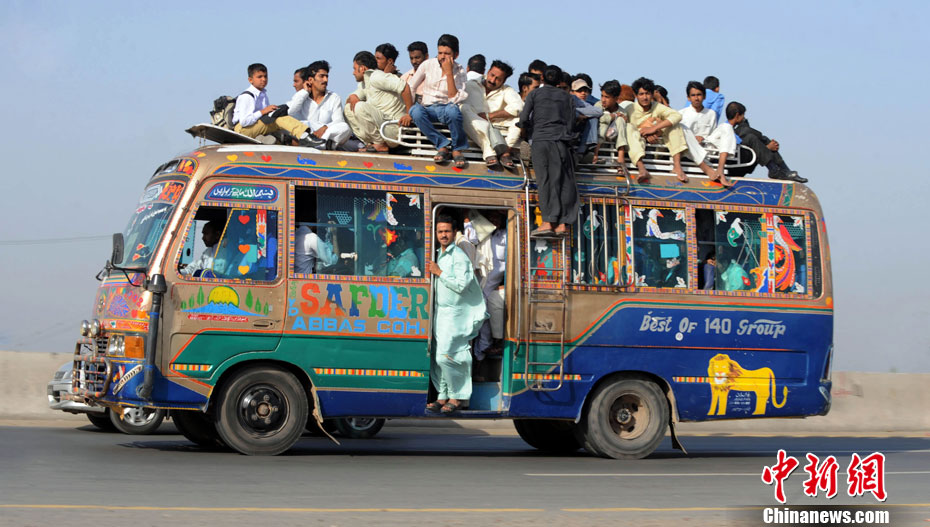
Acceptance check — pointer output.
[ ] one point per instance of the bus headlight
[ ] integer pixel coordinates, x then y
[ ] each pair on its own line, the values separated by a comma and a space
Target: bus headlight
94, 328
85, 328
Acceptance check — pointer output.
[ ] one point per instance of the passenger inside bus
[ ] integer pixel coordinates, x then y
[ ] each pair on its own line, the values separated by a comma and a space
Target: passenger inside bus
311, 252
211, 235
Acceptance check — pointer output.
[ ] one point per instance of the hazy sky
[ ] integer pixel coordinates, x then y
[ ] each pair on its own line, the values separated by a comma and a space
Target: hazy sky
99, 94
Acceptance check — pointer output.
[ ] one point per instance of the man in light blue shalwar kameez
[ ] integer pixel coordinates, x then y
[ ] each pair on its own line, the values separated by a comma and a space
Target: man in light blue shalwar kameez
459, 314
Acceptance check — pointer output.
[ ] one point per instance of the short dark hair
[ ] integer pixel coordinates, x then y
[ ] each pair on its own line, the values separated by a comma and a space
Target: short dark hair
477, 63
258, 66
418, 46
611, 87
215, 225
566, 78
697, 86
585, 77
504, 67
663, 92
734, 109
388, 50
302, 73
645, 84
449, 41
527, 78
711, 82
553, 75
537, 65
316, 66
445, 218
367, 59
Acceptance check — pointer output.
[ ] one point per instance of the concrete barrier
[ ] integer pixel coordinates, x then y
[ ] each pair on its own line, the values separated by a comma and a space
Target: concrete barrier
863, 403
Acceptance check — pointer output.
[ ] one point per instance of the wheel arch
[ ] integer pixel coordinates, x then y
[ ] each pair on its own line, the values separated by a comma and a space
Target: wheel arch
633, 374
230, 371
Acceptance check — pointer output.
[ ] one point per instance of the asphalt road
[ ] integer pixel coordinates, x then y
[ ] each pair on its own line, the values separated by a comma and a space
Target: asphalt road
75, 475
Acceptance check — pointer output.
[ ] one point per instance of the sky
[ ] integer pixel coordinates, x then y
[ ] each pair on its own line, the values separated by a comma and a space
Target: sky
100, 93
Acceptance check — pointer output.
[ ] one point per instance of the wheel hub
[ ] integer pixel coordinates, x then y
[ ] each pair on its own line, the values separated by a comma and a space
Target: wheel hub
262, 410
628, 416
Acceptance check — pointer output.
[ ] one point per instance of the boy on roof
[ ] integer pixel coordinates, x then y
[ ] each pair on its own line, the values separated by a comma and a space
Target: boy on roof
251, 115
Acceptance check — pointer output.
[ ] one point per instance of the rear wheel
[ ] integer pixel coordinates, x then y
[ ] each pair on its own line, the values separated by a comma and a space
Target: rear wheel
198, 428
626, 419
262, 411
359, 427
102, 421
137, 421
549, 435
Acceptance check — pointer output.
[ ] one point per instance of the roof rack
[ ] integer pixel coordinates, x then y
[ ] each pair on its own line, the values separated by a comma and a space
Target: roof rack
657, 159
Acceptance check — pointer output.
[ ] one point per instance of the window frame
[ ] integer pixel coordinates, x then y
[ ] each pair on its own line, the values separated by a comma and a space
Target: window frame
624, 236
292, 186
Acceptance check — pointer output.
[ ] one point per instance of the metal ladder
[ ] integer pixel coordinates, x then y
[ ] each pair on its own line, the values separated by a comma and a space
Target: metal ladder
545, 296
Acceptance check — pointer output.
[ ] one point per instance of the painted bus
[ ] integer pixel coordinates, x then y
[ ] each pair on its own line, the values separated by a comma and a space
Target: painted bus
670, 302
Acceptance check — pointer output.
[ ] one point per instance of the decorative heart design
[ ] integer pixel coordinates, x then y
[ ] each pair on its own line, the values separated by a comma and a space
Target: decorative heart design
248, 154
232, 157
457, 169
243, 269
431, 168
243, 219
201, 154
244, 248
266, 158
341, 163
368, 164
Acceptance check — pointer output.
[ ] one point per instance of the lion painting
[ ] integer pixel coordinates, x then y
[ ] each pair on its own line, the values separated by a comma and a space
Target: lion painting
725, 374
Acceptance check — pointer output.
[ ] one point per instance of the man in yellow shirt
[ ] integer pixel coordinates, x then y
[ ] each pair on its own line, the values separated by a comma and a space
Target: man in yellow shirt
654, 123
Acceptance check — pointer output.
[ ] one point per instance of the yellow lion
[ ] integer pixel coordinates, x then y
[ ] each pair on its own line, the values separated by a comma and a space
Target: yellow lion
725, 374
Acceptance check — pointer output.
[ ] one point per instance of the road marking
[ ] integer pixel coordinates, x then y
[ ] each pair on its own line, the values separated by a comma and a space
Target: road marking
241, 509
699, 474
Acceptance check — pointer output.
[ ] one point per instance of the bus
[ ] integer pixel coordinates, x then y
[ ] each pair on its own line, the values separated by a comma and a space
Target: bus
669, 302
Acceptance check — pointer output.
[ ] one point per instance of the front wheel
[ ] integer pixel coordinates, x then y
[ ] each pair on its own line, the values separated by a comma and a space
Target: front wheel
262, 411
137, 421
626, 419
101, 421
198, 428
359, 427
548, 435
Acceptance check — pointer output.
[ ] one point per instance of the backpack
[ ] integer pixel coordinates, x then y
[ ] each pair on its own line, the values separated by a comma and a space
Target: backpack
223, 107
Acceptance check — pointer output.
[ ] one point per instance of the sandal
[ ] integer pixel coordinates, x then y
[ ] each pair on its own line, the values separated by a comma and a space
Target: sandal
541, 233
491, 161
458, 160
507, 161
442, 156
434, 407
449, 408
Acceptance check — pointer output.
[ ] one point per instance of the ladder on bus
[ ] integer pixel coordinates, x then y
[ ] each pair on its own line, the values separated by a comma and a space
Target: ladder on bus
547, 292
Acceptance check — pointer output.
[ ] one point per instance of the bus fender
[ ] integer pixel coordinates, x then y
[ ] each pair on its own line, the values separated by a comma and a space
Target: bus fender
318, 416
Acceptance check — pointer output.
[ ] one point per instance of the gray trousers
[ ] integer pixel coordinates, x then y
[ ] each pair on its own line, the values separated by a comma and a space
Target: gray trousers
554, 168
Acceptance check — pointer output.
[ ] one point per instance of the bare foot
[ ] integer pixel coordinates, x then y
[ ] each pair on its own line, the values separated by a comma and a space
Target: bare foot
644, 174
680, 173
722, 179
622, 171
381, 147
561, 230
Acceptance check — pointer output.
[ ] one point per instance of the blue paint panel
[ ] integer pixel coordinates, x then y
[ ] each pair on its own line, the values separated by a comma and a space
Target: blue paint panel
337, 403
166, 392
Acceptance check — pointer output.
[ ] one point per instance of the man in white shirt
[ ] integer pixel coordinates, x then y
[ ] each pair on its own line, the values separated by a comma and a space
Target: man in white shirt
380, 97
310, 249
210, 235
418, 52
494, 128
702, 122
489, 235
253, 115
319, 108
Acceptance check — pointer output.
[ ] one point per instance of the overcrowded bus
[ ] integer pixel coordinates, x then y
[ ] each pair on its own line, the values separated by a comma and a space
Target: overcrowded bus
670, 301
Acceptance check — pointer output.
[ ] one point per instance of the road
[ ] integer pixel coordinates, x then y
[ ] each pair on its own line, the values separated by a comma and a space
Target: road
75, 475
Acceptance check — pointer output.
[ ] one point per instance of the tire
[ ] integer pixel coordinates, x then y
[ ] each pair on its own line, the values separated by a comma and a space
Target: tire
262, 411
359, 427
626, 419
137, 421
198, 428
102, 421
548, 435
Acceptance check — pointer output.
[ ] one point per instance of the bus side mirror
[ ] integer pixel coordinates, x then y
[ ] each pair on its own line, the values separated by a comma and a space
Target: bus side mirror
117, 257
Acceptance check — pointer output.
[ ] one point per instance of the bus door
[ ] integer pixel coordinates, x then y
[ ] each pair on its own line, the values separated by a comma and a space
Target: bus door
227, 288
358, 299
490, 230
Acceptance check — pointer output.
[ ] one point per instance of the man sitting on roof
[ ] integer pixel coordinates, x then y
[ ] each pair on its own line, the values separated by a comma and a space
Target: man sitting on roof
491, 105
319, 108
702, 124
767, 150
380, 97
254, 116
654, 123
714, 100
418, 52
588, 117
475, 68
444, 90
385, 58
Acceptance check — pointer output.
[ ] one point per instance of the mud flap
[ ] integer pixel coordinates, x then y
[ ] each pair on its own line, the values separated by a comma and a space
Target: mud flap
676, 444
318, 416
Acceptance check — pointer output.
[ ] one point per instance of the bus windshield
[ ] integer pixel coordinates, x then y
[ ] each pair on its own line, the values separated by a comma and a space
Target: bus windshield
148, 222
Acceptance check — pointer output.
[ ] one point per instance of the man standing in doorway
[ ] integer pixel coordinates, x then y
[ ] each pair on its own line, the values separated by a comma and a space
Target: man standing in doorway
459, 314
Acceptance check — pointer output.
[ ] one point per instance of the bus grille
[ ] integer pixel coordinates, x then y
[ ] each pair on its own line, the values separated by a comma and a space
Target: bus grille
91, 377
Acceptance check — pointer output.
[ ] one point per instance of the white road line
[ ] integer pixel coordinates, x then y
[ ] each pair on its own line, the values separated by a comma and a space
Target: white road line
699, 474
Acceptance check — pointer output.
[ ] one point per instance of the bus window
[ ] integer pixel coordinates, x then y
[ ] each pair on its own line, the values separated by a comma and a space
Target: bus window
660, 247
372, 233
248, 247
597, 256
195, 255
755, 251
